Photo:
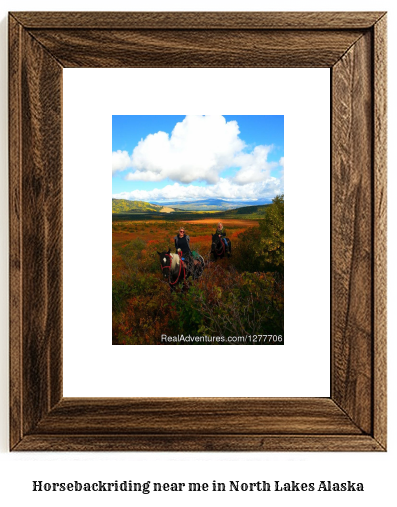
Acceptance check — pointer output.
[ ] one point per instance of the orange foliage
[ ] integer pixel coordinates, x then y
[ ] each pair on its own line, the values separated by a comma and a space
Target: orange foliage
144, 307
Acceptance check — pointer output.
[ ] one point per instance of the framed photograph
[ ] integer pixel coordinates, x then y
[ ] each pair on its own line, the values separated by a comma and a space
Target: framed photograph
353, 46
200, 200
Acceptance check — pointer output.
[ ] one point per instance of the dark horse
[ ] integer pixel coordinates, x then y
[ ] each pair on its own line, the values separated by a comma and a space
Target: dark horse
218, 247
176, 271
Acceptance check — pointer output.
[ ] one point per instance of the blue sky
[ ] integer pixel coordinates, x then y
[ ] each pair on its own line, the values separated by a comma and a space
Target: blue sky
171, 158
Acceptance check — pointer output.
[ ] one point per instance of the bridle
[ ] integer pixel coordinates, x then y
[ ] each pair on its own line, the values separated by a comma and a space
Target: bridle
181, 264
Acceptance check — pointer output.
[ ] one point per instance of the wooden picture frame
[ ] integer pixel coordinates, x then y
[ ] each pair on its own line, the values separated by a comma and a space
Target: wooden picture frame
353, 46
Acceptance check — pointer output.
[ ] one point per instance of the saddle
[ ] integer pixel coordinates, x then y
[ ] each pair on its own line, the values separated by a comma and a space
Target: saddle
195, 257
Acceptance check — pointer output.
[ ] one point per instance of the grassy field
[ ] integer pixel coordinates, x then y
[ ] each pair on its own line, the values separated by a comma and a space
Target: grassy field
241, 213
228, 298
161, 232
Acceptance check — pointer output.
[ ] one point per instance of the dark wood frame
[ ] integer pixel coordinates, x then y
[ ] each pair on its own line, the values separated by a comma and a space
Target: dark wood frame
353, 46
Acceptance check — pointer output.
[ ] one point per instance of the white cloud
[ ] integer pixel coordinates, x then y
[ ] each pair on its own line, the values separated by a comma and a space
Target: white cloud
223, 189
254, 166
120, 161
198, 149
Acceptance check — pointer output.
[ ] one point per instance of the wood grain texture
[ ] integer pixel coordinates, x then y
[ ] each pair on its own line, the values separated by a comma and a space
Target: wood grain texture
36, 165
354, 44
15, 232
197, 416
380, 230
202, 20
196, 48
352, 233
199, 443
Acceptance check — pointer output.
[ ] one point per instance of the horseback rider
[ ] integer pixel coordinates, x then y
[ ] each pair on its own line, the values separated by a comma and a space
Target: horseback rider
182, 247
182, 241
221, 231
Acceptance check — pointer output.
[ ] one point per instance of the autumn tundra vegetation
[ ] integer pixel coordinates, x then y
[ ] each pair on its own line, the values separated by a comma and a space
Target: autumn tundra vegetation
235, 296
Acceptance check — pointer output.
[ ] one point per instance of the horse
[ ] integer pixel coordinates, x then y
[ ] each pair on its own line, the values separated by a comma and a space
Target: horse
175, 270
218, 247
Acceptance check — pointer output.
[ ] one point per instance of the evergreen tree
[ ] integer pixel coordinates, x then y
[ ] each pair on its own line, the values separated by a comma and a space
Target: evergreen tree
270, 247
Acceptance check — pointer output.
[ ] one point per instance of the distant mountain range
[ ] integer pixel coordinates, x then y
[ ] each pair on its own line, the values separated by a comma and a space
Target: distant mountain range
213, 204
126, 206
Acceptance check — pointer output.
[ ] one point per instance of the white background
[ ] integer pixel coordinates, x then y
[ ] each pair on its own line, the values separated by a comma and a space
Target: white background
376, 470
91, 96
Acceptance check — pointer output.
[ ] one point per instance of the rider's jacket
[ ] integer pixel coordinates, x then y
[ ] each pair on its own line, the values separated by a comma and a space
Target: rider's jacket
182, 243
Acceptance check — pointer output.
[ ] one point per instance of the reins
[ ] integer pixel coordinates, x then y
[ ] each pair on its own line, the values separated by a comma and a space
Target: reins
181, 263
